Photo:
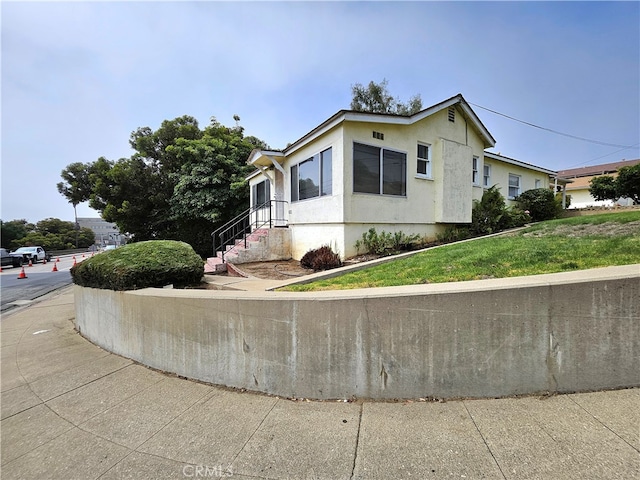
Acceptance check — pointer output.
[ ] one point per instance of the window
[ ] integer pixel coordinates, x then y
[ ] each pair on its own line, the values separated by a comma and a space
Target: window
261, 193
379, 170
476, 173
538, 183
312, 177
424, 160
514, 185
486, 177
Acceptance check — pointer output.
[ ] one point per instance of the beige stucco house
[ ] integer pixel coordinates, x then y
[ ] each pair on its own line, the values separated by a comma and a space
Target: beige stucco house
581, 182
417, 174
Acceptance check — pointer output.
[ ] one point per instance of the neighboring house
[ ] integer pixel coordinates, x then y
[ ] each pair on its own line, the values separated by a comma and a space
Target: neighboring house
417, 174
581, 181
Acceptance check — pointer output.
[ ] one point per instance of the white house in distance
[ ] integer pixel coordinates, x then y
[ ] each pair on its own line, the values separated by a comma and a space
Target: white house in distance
417, 174
581, 181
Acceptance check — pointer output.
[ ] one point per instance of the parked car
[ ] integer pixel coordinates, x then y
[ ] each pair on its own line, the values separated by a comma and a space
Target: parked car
35, 254
10, 260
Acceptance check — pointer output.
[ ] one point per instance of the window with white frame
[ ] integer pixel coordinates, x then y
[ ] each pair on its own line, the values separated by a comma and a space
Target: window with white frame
312, 177
424, 160
379, 170
514, 185
475, 178
486, 175
538, 183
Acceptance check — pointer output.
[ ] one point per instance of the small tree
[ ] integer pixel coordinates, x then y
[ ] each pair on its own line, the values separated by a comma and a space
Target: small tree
603, 188
628, 183
541, 204
376, 98
490, 213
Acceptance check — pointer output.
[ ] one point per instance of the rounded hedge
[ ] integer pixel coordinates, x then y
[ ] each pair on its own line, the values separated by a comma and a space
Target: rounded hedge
155, 263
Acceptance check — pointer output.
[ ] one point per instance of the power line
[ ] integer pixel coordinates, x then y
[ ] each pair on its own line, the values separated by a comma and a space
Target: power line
624, 147
602, 156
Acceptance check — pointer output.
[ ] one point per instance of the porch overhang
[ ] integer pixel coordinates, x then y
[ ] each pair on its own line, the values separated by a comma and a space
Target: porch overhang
262, 159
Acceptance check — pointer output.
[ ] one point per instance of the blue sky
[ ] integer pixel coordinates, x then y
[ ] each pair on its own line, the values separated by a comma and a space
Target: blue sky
79, 77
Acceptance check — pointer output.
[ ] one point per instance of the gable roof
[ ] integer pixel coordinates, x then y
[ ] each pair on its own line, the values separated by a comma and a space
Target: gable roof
602, 169
392, 119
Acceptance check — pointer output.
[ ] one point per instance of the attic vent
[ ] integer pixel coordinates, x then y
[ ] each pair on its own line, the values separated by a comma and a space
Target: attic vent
378, 135
452, 114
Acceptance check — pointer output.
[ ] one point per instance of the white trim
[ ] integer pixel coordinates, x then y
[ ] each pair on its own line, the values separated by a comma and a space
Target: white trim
513, 161
390, 119
475, 182
519, 177
428, 160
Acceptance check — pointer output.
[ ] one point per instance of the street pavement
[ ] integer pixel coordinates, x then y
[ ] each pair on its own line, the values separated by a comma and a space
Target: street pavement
70, 410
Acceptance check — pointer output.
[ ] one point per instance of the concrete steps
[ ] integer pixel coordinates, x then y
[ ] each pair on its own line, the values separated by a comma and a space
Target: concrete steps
217, 265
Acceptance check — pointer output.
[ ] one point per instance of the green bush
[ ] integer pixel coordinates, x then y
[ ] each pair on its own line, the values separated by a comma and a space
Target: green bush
453, 234
322, 258
384, 243
490, 213
155, 263
541, 204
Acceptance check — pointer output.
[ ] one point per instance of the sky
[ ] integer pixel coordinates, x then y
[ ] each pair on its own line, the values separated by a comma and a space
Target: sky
79, 77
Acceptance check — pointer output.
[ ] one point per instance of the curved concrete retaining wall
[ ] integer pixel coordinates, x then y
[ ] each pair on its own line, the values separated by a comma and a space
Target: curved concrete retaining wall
549, 333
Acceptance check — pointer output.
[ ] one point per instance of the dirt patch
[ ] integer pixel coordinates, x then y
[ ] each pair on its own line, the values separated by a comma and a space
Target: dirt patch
278, 270
607, 229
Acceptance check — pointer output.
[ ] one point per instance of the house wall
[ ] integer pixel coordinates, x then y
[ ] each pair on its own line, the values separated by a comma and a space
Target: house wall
430, 204
500, 176
452, 145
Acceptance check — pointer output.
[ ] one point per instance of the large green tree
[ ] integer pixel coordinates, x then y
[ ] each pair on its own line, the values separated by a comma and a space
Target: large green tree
180, 184
626, 184
376, 98
14, 230
50, 233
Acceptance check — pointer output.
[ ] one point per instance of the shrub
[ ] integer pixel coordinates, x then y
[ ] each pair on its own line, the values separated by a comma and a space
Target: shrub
322, 258
453, 234
384, 242
490, 214
540, 203
155, 263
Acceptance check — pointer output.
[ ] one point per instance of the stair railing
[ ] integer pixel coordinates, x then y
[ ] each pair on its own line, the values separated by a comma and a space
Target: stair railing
242, 225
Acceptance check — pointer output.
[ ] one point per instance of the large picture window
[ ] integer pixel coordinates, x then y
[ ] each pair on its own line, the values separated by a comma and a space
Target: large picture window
379, 170
312, 177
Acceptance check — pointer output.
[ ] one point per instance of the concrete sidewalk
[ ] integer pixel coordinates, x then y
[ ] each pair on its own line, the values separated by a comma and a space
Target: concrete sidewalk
73, 411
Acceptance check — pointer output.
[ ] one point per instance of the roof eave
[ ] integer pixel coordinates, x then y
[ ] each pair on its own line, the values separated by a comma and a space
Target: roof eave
392, 119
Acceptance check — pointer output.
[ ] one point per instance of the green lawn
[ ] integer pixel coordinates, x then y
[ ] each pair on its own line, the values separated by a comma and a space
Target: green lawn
548, 247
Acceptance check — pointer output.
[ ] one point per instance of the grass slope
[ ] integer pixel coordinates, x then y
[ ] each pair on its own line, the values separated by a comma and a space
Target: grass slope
548, 247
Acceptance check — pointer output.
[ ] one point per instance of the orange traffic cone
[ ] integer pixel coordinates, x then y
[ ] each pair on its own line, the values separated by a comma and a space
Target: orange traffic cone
22, 274
83, 255
57, 259
30, 263
55, 268
0, 269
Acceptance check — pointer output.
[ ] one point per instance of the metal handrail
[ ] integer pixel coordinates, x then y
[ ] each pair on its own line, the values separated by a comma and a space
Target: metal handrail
242, 225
